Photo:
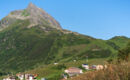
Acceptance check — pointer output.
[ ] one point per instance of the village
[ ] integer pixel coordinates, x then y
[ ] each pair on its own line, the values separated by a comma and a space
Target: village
68, 73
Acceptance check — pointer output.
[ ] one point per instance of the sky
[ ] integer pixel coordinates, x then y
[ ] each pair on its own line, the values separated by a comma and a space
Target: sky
102, 19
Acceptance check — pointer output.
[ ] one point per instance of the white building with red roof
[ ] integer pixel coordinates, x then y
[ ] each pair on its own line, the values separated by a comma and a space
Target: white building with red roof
72, 71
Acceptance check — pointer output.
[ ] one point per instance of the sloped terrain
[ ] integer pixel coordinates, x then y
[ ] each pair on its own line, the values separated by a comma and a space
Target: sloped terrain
27, 42
22, 48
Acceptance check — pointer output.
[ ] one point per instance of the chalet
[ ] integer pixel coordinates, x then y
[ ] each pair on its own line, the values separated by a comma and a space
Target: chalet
72, 71
105, 66
99, 67
26, 76
93, 67
20, 76
86, 66
29, 77
43, 78
10, 78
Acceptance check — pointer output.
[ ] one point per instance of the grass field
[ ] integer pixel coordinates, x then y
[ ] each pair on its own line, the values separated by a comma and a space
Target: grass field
53, 72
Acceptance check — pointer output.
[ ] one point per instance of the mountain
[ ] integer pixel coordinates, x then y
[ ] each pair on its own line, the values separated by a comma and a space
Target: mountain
35, 15
118, 41
31, 38
122, 72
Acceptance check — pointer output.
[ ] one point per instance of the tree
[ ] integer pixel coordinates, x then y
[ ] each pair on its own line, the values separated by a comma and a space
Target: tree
123, 54
110, 60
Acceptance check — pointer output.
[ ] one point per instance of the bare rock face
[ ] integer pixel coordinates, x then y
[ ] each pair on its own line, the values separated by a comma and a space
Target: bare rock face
38, 16
35, 15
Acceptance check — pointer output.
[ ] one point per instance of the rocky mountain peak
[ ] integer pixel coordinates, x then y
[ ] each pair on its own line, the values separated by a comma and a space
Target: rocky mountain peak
35, 15
39, 16
32, 7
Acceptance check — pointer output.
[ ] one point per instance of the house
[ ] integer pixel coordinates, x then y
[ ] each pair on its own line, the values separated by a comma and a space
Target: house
35, 75
99, 67
65, 76
55, 63
20, 76
105, 66
10, 78
72, 71
43, 78
93, 67
86, 66
29, 76
26, 76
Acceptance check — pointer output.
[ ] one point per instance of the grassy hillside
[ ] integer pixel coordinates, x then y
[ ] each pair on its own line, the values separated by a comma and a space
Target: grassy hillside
118, 42
32, 41
54, 72
25, 48
115, 71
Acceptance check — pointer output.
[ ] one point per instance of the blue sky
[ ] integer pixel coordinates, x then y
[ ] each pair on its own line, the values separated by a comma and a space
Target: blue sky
97, 18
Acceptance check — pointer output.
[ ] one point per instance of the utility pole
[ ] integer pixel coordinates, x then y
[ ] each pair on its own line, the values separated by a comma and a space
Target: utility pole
87, 59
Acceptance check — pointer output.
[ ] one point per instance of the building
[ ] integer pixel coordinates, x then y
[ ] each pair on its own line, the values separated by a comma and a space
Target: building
26, 76
72, 71
105, 66
43, 78
29, 77
64, 76
93, 67
55, 63
10, 78
99, 67
86, 66
20, 76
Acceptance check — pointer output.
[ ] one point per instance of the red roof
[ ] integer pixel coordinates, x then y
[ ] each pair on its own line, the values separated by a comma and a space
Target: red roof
73, 70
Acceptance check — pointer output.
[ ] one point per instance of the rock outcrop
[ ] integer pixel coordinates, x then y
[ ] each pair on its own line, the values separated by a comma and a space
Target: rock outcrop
35, 15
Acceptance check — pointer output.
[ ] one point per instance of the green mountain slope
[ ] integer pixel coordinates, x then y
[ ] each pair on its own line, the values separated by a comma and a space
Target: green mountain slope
25, 45
120, 41
22, 48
